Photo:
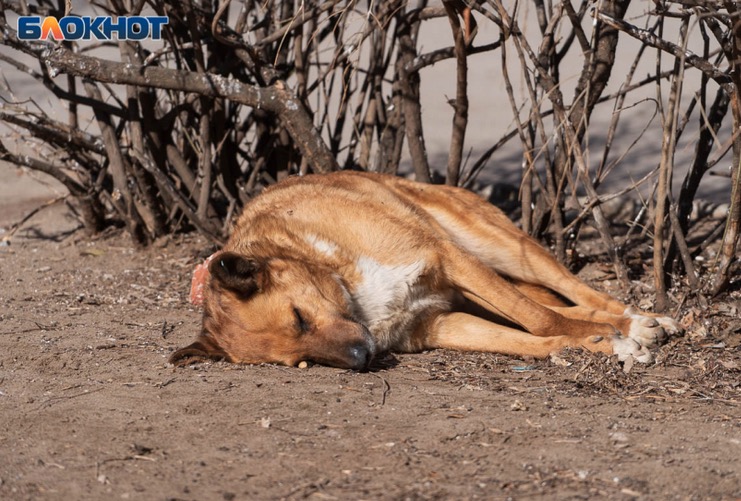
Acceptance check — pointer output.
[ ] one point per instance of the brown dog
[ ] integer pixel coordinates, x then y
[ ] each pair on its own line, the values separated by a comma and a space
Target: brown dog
337, 268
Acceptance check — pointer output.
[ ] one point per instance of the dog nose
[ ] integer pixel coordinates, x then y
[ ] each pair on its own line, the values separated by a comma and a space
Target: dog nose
360, 357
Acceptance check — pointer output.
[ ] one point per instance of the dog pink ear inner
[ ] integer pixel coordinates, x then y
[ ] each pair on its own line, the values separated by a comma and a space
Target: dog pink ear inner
198, 282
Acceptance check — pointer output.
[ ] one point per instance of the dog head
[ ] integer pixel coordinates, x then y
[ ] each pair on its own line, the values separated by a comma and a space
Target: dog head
277, 310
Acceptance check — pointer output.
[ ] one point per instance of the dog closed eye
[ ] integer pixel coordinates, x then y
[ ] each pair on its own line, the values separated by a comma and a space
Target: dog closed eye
301, 323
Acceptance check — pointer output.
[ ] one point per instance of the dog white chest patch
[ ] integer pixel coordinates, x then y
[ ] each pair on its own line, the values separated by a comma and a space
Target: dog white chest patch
382, 287
390, 298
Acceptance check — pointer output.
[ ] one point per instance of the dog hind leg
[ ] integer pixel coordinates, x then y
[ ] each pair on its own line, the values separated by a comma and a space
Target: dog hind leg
484, 231
485, 287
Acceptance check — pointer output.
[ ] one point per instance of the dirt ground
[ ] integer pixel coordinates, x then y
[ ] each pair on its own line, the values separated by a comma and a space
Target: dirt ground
90, 408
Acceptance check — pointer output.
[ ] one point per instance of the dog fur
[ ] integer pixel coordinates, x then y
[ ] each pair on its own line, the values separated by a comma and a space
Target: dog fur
337, 268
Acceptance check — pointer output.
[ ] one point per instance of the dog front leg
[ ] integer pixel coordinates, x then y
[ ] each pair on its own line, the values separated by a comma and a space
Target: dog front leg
648, 331
464, 332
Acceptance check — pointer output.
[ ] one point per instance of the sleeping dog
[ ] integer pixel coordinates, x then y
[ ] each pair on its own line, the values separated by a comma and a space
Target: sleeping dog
337, 268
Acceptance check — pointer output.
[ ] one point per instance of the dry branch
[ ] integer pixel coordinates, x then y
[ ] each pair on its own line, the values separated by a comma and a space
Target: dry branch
275, 98
460, 104
731, 235
659, 43
663, 196
409, 84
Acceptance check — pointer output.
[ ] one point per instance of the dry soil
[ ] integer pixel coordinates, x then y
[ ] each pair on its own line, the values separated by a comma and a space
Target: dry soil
90, 408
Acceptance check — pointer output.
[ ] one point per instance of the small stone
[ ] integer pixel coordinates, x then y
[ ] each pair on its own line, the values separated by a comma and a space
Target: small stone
518, 406
619, 438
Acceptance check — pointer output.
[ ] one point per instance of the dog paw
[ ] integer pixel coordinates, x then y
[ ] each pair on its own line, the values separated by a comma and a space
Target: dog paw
648, 331
670, 326
625, 347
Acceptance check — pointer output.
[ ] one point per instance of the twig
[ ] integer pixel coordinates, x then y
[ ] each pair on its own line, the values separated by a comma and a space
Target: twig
460, 105
409, 87
616, 114
665, 46
727, 253
683, 250
663, 196
205, 166
53, 170
18, 224
528, 167
424, 60
118, 168
386, 389
52, 400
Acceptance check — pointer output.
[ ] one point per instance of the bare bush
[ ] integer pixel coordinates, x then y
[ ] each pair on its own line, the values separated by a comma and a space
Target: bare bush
238, 95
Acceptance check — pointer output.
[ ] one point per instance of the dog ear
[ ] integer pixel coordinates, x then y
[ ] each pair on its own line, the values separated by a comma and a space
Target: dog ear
236, 273
203, 349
